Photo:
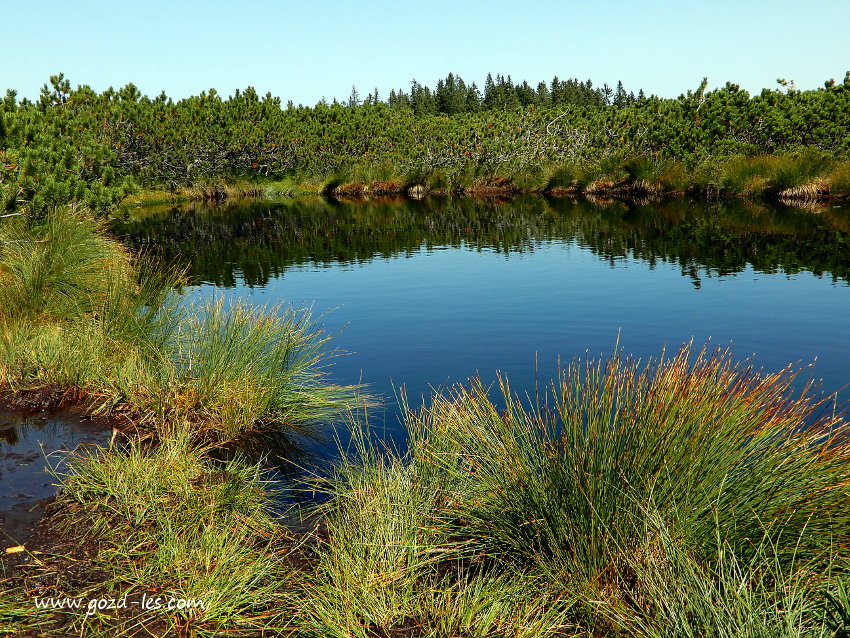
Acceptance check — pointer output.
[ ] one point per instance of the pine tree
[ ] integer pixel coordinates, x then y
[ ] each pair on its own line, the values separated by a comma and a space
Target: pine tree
451, 95
620, 96
354, 98
55, 94
555, 91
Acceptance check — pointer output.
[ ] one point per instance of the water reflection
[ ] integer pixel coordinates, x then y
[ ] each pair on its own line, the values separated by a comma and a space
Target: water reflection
426, 294
253, 242
31, 443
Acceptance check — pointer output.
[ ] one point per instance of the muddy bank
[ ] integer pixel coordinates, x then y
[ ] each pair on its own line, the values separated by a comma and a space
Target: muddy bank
34, 443
642, 190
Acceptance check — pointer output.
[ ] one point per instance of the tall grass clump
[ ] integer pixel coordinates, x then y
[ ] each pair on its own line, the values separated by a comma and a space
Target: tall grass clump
61, 268
237, 370
802, 176
643, 168
688, 496
682, 596
653, 174
77, 312
80, 317
589, 175
705, 440
839, 180
381, 544
387, 561
169, 522
729, 458
797, 171
570, 176
741, 175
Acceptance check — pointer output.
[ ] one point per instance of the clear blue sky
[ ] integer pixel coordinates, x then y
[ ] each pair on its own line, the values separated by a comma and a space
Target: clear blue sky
311, 49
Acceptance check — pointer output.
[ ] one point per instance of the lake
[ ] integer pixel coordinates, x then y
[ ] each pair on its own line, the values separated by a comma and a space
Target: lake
425, 294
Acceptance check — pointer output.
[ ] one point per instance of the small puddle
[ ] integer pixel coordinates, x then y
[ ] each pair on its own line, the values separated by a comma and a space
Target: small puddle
29, 444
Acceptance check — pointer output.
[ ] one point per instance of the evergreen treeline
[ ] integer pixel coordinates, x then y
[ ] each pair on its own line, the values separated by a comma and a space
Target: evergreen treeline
452, 95
76, 145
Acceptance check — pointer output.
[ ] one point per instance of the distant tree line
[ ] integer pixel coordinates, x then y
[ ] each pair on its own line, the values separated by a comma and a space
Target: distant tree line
77, 145
452, 95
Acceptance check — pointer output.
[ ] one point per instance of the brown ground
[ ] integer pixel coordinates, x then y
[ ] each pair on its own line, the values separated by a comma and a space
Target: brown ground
60, 561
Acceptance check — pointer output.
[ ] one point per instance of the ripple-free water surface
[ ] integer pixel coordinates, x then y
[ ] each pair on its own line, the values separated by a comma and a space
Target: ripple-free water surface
424, 295
32, 446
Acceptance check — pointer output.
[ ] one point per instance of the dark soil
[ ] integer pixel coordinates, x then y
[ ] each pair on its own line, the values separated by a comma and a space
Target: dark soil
57, 562
52, 397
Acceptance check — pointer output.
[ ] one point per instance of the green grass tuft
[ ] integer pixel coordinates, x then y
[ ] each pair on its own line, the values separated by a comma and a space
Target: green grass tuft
239, 370
171, 522
61, 268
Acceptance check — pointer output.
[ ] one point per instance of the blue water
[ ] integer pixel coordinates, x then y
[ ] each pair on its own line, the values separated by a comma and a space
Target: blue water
434, 317
423, 295
32, 446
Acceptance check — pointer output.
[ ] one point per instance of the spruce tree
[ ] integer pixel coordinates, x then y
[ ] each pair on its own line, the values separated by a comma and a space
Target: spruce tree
354, 98
620, 96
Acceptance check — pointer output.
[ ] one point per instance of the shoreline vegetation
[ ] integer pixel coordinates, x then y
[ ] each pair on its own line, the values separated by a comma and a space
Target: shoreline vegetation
561, 138
83, 321
761, 178
686, 496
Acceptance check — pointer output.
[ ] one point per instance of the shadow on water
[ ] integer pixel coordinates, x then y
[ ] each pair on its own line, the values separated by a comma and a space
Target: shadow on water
29, 445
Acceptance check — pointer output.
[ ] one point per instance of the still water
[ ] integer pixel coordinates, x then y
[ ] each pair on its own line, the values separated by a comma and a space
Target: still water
422, 295
32, 448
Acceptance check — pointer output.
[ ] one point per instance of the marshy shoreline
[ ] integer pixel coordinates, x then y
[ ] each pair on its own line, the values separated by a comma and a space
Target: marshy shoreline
685, 496
678, 493
783, 180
